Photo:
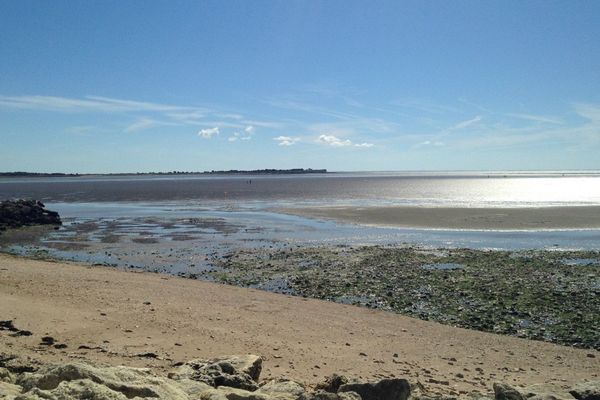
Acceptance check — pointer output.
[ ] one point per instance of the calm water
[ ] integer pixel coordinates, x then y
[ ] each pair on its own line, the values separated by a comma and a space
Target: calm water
480, 189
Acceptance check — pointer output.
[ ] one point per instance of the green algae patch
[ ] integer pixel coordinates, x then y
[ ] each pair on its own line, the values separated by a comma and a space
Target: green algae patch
530, 294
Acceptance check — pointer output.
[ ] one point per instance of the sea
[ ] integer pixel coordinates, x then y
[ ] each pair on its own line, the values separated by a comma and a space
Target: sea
185, 220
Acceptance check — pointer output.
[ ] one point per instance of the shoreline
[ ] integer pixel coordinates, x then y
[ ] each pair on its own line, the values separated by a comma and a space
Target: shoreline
118, 315
454, 218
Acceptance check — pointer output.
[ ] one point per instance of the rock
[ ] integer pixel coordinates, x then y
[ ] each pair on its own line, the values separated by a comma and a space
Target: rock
586, 390
229, 393
47, 341
283, 389
5, 375
332, 383
545, 391
503, 391
385, 389
323, 395
240, 372
69, 381
8, 390
17, 213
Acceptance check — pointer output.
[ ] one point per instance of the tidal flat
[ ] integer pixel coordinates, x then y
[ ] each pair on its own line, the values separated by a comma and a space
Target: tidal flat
534, 294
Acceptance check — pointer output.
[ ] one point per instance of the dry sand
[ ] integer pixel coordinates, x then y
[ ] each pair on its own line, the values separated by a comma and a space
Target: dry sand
301, 339
585, 217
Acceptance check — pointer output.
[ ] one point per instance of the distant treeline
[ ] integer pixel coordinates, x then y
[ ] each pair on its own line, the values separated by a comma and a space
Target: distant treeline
213, 172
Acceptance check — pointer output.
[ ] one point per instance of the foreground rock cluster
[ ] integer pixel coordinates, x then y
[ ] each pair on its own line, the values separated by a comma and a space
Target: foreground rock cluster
17, 213
231, 378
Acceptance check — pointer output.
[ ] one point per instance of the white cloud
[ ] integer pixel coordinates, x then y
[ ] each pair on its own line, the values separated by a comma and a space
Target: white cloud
208, 132
333, 141
249, 129
286, 140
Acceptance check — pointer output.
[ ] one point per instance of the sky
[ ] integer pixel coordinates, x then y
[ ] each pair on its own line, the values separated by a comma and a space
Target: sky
139, 86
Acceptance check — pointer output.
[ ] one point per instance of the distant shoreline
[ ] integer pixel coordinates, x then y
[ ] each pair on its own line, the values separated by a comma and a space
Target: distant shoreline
268, 171
530, 218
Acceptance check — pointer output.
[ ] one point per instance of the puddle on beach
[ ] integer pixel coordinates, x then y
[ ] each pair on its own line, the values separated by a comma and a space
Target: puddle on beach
443, 266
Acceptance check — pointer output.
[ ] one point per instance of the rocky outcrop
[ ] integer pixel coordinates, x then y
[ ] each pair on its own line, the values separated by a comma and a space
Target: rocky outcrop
17, 213
221, 378
582, 391
241, 372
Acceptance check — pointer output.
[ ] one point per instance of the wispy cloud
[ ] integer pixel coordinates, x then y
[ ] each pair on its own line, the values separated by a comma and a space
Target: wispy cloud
246, 134
208, 132
464, 124
85, 104
145, 123
286, 140
145, 115
536, 118
588, 111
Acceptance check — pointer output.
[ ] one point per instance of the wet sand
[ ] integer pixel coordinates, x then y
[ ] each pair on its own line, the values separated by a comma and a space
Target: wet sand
585, 217
119, 315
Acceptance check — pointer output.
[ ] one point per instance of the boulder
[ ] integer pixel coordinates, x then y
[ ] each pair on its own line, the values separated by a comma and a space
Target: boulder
502, 391
239, 372
385, 389
332, 383
586, 390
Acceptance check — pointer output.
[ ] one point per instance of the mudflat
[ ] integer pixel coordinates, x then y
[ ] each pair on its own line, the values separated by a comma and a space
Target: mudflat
584, 217
112, 316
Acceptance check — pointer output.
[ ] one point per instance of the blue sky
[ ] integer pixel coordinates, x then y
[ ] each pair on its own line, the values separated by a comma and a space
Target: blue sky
113, 86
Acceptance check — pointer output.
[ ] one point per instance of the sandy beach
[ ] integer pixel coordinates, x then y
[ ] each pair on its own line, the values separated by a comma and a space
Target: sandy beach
119, 315
585, 217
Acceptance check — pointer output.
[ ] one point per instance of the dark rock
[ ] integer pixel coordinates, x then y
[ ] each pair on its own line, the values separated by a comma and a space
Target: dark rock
47, 341
586, 390
147, 355
386, 389
9, 326
17, 213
